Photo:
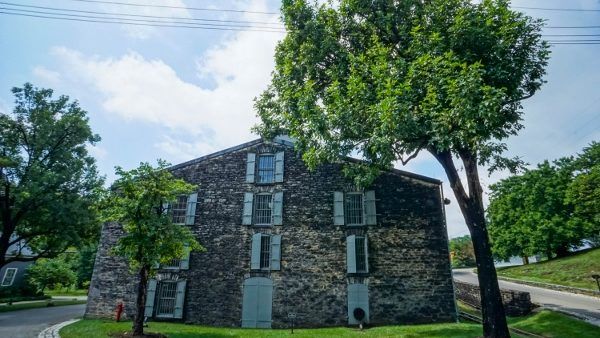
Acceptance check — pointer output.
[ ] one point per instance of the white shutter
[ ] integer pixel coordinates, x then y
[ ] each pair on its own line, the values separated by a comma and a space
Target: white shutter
150, 294
276, 252
179, 299
250, 167
369, 207
184, 264
190, 214
279, 166
351, 253
247, 214
255, 254
278, 208
338, 208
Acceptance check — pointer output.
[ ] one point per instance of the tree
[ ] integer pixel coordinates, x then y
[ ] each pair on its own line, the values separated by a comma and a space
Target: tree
388, 79
51, 273
462, 252
138, 201
48, 182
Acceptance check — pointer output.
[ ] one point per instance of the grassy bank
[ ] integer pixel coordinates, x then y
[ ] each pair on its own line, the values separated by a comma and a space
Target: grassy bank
575, 270
38, 304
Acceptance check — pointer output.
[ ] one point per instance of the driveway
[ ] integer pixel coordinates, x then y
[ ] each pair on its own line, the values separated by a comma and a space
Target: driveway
29, 323
578, 305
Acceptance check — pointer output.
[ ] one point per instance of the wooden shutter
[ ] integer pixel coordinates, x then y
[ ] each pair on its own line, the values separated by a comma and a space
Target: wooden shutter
358, 297
276, 252
179, 299
150, 295
257, 302
279, 166
184, 264
250, 302
250, 167
338, 208
278, 208
190, 214
165, 208
255, 254
247, 214
369, 207
265, 303
366, 254
351, 253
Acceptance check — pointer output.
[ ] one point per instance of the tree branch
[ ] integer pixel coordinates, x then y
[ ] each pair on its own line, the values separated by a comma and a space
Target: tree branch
519, 99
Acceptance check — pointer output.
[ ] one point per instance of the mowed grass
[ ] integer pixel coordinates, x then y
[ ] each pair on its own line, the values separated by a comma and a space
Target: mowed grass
555, 325
575, 270
67, 292
38, 304
102, 329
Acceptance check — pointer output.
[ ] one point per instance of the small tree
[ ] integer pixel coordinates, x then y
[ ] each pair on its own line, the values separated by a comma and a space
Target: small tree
462, 252
51, 273
138, 201
48, 182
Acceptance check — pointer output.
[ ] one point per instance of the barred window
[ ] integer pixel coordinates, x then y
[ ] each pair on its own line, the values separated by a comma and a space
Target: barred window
167, 294
263, 206
179, 209
266, 168
265, 251
353, 209
172, 264
9, 276
361, 256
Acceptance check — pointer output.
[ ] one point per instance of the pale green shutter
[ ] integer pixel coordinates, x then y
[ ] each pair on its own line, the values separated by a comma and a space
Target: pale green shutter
255, 254
247, 215
369, 206
265, 304
279, 166
338, 208
358, 297
366, 254
150, 294
190, 214
278, 208
250, 167
179, 299
184, 264
351, 253
257, 302
276, 252
250, 303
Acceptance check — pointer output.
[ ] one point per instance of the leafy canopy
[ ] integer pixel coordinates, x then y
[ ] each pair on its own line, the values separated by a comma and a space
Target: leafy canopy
48, 182
387, 79
138, 201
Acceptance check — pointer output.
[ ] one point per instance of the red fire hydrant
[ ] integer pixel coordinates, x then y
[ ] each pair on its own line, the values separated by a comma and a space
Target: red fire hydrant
119, 311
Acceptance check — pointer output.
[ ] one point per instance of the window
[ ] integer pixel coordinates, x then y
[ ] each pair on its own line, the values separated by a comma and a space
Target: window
265, 251
179, 210
266, 168
361, 254
9, 276
353, 209
173, 264
263, 207
357, 256
167, 294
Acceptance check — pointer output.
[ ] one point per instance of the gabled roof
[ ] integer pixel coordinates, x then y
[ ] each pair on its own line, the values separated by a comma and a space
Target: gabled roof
286, 142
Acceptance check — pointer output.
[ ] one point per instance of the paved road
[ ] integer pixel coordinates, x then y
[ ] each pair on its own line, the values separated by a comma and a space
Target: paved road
579, 305
29, 323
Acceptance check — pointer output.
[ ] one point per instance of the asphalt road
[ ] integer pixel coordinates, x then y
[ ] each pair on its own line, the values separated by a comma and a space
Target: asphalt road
578, 305
29, 323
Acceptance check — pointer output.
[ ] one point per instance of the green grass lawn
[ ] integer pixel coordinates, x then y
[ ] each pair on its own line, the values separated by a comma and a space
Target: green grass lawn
38, 304
574, 270
99, 328
67, 292
555, 325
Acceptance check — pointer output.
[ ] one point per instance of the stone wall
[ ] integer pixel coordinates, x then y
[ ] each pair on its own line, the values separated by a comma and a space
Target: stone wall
409, 275
516, 303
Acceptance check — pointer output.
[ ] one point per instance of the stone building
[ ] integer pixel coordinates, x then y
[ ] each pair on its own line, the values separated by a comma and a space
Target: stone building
283, 241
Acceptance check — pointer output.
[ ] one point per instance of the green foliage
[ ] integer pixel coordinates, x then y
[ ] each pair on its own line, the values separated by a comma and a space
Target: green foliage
52, 273
137, 201
462, 252
387, 79
49, 182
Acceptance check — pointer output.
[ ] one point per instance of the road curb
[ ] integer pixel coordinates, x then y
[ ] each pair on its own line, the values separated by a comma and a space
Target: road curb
52, 331
555, 287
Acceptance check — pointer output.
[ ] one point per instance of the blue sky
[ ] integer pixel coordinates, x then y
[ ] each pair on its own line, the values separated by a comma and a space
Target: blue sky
177, 94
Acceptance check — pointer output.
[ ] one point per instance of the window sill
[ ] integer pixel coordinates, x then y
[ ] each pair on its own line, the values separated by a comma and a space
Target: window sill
262, 225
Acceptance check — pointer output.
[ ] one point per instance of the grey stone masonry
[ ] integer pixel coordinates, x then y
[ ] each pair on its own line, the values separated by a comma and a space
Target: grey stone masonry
409, 277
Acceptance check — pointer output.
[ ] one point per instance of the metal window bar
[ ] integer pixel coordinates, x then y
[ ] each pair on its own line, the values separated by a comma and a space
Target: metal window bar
263, 207
166, 299
354, 209
265, 251
266, 168
9, 276
361, 257
172, 264
179, 209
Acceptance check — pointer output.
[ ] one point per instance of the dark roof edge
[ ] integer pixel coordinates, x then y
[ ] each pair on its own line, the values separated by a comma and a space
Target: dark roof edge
290, 144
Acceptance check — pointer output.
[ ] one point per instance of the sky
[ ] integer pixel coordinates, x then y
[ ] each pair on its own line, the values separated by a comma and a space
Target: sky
181, 93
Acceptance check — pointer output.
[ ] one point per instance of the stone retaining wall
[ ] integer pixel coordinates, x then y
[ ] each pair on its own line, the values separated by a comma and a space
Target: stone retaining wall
516, 303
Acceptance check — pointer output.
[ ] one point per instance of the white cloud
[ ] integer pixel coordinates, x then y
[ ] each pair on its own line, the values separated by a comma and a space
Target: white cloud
98, 152
45, 75
181, 150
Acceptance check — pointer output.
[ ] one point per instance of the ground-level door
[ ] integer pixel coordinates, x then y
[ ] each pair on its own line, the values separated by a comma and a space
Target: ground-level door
257, 302
358, 304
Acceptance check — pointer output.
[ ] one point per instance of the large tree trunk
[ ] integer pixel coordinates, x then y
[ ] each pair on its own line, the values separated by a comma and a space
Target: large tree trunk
562, 251
138, 321
471, 206
525, 260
